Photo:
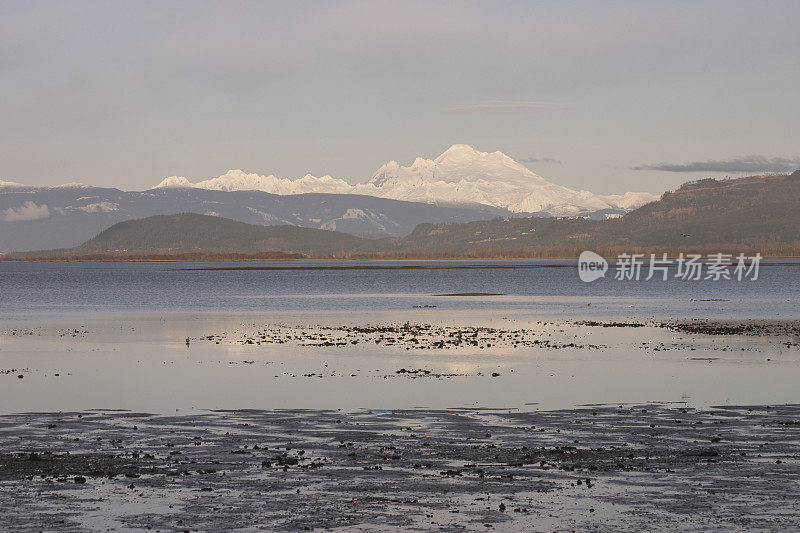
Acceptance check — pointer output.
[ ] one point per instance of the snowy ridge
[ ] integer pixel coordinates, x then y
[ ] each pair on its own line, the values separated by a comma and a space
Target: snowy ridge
72, 185
461, 174
11, 185
15, 185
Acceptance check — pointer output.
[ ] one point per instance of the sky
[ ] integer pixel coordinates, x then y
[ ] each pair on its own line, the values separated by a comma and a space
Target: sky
602, 96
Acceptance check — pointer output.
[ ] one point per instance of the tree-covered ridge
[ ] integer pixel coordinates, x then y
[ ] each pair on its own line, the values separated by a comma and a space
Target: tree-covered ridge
189, 231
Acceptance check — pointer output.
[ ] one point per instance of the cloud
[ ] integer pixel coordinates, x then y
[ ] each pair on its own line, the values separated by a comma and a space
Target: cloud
27, 211
549, 160
494, 105
750, 163
100, 207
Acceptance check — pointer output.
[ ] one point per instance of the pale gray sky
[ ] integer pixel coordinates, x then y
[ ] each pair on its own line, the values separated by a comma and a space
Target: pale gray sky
605, 96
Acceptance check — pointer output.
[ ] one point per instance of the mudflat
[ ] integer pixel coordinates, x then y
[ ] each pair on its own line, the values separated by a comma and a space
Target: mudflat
624, 467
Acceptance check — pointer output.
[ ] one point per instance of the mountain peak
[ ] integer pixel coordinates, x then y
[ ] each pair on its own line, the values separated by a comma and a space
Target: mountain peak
464, 154
459, 151
174, 182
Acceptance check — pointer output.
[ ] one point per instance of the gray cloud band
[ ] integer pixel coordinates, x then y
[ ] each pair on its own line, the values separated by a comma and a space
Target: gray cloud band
754, 163
541, 160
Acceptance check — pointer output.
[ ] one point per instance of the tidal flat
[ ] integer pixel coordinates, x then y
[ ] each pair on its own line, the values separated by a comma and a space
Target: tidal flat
624, 467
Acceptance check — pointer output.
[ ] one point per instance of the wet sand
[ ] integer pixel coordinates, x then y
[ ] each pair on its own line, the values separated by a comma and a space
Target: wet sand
629, 467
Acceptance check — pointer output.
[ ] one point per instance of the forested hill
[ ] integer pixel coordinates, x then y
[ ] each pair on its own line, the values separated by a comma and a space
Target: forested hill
188, 232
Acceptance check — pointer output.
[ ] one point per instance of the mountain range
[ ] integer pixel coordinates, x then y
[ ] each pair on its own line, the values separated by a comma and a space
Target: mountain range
461, 185
746, 215
461, 174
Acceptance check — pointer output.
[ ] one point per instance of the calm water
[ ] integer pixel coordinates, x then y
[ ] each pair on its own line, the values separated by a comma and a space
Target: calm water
550, 288
112, 335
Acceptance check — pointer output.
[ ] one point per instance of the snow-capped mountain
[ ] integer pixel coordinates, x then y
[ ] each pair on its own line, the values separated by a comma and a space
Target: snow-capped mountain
460, 175
464, 174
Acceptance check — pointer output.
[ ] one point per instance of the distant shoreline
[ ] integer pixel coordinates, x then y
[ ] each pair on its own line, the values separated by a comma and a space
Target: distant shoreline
145, 259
